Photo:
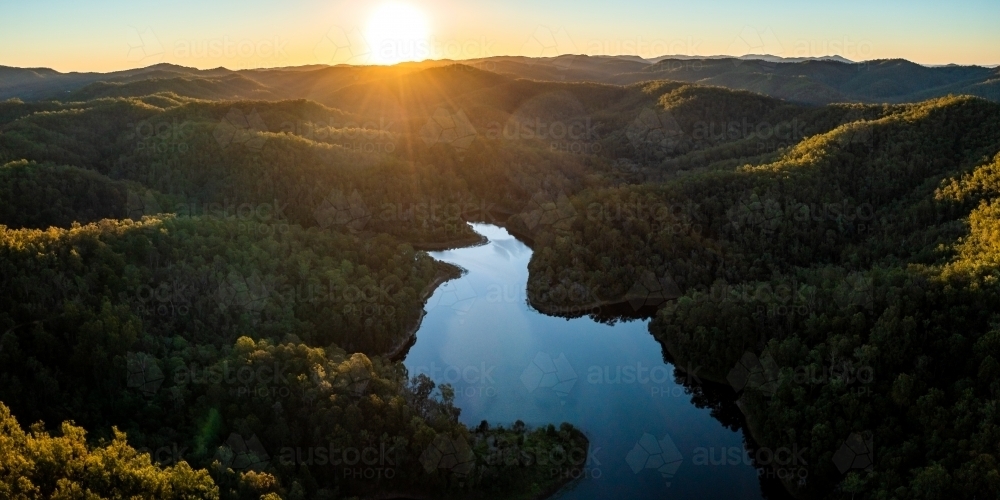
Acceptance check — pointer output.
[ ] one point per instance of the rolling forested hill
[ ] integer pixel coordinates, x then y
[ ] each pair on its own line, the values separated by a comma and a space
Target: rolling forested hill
230, 87
820, 81
152, 225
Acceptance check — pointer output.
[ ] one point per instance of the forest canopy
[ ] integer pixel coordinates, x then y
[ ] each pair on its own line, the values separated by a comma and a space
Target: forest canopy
155, 232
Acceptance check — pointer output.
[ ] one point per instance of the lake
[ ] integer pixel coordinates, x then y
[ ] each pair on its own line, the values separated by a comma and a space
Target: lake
649, 438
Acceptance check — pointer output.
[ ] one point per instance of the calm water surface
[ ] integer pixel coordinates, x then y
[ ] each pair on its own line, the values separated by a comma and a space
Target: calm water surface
507, 361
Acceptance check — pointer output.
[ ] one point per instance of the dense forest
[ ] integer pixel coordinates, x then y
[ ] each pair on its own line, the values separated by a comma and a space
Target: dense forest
157, 238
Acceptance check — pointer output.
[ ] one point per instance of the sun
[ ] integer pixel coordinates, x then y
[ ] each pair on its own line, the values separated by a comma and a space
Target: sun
398, 32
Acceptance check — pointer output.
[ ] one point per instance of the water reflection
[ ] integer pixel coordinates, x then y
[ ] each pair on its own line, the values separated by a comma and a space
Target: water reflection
647, 422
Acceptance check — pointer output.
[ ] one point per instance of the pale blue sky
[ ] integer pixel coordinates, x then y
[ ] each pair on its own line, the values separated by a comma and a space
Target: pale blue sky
105, 35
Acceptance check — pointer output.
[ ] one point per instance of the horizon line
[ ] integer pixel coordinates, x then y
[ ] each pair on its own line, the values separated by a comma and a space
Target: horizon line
651, 61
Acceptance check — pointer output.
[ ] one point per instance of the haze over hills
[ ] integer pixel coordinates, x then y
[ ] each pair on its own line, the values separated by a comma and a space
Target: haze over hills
805, 80
751, 57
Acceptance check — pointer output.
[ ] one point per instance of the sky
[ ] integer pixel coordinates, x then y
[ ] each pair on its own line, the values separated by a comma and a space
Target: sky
109, 35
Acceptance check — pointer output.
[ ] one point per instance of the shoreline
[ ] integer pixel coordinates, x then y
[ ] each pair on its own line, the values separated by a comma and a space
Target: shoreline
596, 308
623, 307
604, 308
446, 273
477, 240
643, 312
748, 424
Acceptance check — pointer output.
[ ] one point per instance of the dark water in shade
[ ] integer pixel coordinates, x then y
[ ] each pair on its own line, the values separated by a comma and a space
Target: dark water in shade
507, 361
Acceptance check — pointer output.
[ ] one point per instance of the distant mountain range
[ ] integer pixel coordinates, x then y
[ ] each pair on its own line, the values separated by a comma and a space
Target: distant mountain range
804, 80
755, 57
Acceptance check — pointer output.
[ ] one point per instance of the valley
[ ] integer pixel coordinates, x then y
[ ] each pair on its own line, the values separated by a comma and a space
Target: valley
263, 269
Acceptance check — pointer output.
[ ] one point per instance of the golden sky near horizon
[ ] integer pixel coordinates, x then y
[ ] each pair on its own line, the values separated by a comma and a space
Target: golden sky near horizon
109, 35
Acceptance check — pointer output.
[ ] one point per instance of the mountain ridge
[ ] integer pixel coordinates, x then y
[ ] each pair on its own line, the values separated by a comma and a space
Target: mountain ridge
820, 80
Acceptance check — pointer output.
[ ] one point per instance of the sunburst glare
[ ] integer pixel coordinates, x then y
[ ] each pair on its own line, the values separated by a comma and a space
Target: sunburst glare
398, 32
